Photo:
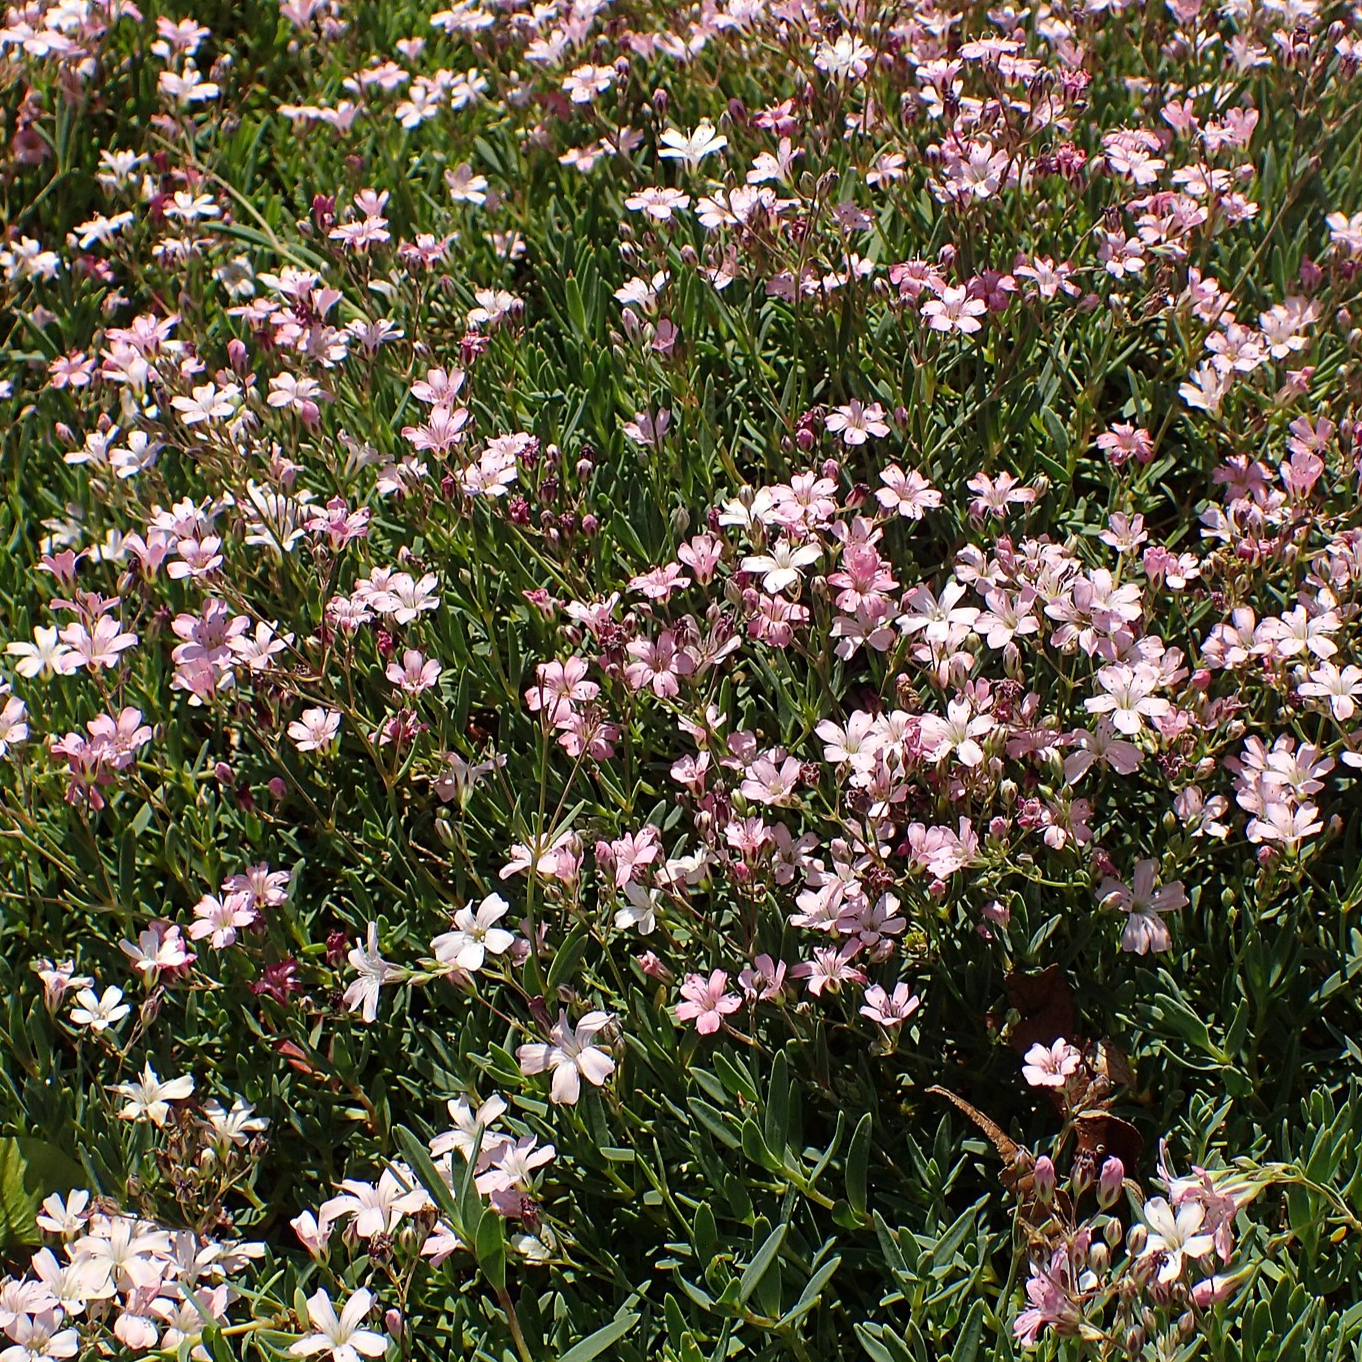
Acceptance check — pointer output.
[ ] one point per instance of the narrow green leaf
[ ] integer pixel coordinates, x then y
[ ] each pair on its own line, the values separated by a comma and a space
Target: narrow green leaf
593, 1345
761, 1263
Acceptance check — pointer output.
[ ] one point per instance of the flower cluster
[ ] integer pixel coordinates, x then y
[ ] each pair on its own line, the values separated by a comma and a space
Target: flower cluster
686, 582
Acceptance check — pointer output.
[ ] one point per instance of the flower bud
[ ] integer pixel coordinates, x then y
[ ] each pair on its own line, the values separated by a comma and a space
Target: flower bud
1109, 1182
1046, 1180
1135, 1240
1113, 1232
1080, 1177
1212, 1291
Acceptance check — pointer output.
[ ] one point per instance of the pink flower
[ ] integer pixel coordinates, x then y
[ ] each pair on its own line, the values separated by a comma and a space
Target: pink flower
764, 981
570, 1055
219, 918
659, 584
959, 732
315, 730
707, 1004
561, 685
955, 310
995, 496
159, 947
830, 968
414, 673
856, 423
890, 1009
1050, 1303
658, 665
909, 494
1145, 929
631, 853
1049, 1066
767, 783
96, 649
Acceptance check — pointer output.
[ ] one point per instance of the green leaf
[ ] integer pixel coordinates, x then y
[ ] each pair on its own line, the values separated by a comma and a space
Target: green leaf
858, 1162
809, 1297
593, 1345
568, 957
489, 1247
18, 1201
761, 1263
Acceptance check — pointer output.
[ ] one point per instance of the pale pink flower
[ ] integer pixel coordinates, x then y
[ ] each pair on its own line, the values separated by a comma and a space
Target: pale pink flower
1144, 903
955, 310
342, 1337
856, 423
315, 730
908, 494
570, 1055
706, 1001
1050, 1066
890, 1009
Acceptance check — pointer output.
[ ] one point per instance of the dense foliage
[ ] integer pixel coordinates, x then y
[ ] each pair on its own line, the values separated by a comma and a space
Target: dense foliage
681, 683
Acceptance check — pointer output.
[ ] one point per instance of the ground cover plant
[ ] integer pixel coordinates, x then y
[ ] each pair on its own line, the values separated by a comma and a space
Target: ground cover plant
680, 682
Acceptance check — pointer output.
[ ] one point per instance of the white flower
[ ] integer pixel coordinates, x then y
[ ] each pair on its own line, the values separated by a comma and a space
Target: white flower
1129, 698
658, 204
315, 730
471, 1130
1175, 1234
570, 1056
149, 1098
956, 733
1145, 929
1346, 232
99, 1011
41, 657
209, 403
374, 972
474, 935
1327, 682
234, 1127
376, 1208
640, 911
64, 1215
848, 56
342, 1338
955, 310
691, 147
856, 423
13, 724
781, 567
1049, 1066
40, 1338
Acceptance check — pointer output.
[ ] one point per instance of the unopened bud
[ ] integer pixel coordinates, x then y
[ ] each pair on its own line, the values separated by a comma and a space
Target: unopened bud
1212, 1291
1109, 1182
1046, 1180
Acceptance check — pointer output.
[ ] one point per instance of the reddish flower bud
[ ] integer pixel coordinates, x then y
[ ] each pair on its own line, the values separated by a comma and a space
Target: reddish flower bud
1109, 1182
